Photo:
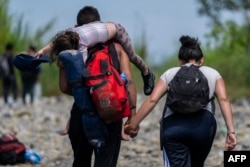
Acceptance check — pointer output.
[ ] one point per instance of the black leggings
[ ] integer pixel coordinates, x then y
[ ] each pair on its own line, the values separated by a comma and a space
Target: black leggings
187, 139
107, 156
9, 84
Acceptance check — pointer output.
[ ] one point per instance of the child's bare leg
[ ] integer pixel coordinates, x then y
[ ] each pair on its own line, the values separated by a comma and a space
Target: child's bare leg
148, 77
123, 38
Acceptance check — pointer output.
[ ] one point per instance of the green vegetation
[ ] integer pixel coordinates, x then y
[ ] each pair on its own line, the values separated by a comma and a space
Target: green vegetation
14, 30
230, 39
226, 49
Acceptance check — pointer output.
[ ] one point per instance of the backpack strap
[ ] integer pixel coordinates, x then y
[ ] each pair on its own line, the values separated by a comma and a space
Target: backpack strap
104, 66
77, 83
111, 50
212, 98
114, 56
91, 51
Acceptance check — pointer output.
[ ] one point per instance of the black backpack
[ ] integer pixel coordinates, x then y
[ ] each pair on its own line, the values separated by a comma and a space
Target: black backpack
188, 91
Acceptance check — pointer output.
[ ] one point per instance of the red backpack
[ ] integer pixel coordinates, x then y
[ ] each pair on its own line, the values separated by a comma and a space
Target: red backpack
12, 151
107, 89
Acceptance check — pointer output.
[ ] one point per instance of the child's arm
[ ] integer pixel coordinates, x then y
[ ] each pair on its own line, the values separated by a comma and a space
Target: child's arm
45, 50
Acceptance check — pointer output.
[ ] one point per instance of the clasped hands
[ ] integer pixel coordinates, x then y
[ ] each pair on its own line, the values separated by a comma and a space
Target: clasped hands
130, 129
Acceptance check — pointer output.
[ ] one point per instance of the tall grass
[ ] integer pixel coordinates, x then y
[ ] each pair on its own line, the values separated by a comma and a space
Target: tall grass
233, 68
49, 79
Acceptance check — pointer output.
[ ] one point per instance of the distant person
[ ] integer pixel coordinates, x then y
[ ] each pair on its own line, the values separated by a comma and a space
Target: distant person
8, 75
187, 138
29, 79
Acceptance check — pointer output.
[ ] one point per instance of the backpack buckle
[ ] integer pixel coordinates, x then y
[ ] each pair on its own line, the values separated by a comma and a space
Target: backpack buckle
91, 90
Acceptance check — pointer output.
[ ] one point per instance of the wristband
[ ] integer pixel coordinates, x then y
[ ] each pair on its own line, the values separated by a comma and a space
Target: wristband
133, 107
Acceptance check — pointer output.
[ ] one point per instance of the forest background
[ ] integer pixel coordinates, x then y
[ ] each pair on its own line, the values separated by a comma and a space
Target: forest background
226, 46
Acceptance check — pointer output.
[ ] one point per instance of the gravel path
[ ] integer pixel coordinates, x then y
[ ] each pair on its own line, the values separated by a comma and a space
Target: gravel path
38, 125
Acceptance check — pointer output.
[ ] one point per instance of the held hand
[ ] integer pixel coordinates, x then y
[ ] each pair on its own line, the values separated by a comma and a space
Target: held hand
231, 141
132, 132
124, 136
